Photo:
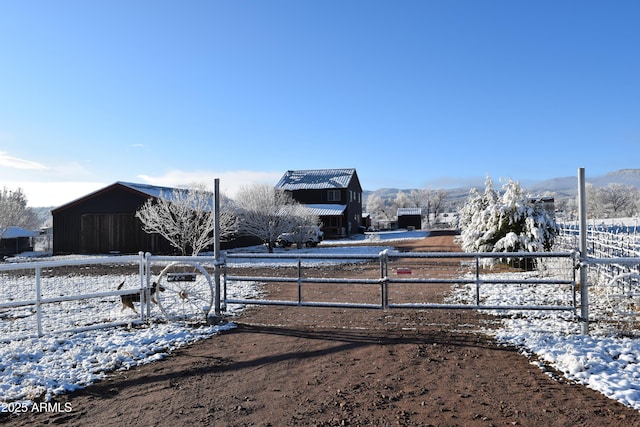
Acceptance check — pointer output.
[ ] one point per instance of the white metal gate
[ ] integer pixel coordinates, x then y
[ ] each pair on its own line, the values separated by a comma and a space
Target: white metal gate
394, 275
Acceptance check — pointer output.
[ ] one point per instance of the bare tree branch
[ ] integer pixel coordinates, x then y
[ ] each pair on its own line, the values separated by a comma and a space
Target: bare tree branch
186, 219
265, 212
14, 210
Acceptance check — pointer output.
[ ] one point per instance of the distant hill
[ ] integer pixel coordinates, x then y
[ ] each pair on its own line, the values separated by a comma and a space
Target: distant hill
624, 176
562, 186
565, 186
45, 216
568, 186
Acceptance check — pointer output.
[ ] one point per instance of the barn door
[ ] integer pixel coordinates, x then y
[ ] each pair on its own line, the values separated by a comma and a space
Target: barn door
104, 233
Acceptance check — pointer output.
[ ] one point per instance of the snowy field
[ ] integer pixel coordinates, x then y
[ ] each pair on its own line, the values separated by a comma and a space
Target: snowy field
33, 369
39, 368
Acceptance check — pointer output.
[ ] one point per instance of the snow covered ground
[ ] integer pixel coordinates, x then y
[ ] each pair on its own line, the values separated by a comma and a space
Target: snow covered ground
600, 360
41, 368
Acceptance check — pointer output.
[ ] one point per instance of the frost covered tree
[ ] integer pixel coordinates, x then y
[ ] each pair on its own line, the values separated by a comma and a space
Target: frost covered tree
434, 203
402, 201
613, 201
186, 218
511, 222
266, 213
378, 209
418, 198
430, 201
15, 212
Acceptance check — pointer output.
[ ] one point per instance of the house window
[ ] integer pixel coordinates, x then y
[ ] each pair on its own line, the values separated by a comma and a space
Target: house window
333, 195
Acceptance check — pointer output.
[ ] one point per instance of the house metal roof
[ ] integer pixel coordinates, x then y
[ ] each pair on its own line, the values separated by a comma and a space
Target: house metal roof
317, 179
326, 210
316, 209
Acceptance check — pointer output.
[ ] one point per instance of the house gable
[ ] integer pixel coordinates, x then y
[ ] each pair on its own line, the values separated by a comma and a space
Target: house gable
339, 188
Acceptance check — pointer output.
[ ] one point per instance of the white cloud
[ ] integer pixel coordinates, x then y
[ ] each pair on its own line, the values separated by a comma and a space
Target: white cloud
41, 194
16, 163
230, 181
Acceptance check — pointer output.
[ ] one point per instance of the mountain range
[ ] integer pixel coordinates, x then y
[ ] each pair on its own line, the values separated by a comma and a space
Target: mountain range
569, 185
563, 187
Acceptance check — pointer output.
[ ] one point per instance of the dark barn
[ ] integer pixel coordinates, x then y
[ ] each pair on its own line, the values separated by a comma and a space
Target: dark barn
335, 195
410, 218
104, 222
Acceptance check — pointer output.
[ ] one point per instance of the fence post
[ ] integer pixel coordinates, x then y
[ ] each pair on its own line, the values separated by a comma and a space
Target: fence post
584, 291
145, 281
216, 249
299, 281
477, 280
223, 298
384, 279
39, 301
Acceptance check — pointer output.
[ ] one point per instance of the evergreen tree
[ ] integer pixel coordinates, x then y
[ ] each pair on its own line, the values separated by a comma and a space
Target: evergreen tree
512, 222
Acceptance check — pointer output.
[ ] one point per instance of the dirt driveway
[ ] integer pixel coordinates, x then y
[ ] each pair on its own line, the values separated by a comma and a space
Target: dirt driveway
333, 367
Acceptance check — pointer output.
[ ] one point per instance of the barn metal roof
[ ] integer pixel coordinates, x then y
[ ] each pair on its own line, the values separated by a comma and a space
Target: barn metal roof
165, 193
409, 211
150, 190
317, 179
146, 189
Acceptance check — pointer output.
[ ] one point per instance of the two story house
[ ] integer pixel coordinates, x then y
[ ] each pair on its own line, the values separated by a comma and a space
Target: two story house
335, 195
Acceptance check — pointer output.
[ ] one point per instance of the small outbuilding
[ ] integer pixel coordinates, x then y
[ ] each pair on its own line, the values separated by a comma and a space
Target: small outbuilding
410, 218
15, 240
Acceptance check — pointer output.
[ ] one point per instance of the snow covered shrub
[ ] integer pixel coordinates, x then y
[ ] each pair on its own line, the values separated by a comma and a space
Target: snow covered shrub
513, 222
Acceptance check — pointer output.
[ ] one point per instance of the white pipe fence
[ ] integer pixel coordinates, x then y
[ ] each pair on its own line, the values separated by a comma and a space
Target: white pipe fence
49, 297
72, 295
612, 273
611, 250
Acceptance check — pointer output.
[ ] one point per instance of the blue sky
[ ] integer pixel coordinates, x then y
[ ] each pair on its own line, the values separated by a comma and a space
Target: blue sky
412, 94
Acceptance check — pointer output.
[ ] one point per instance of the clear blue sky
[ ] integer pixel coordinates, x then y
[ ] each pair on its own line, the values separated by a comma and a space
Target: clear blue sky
412, 94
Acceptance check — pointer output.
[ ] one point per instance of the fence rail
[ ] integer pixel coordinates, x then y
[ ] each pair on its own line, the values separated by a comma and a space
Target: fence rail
68, 295
306, 287
612, 273
49, 302
610, 250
